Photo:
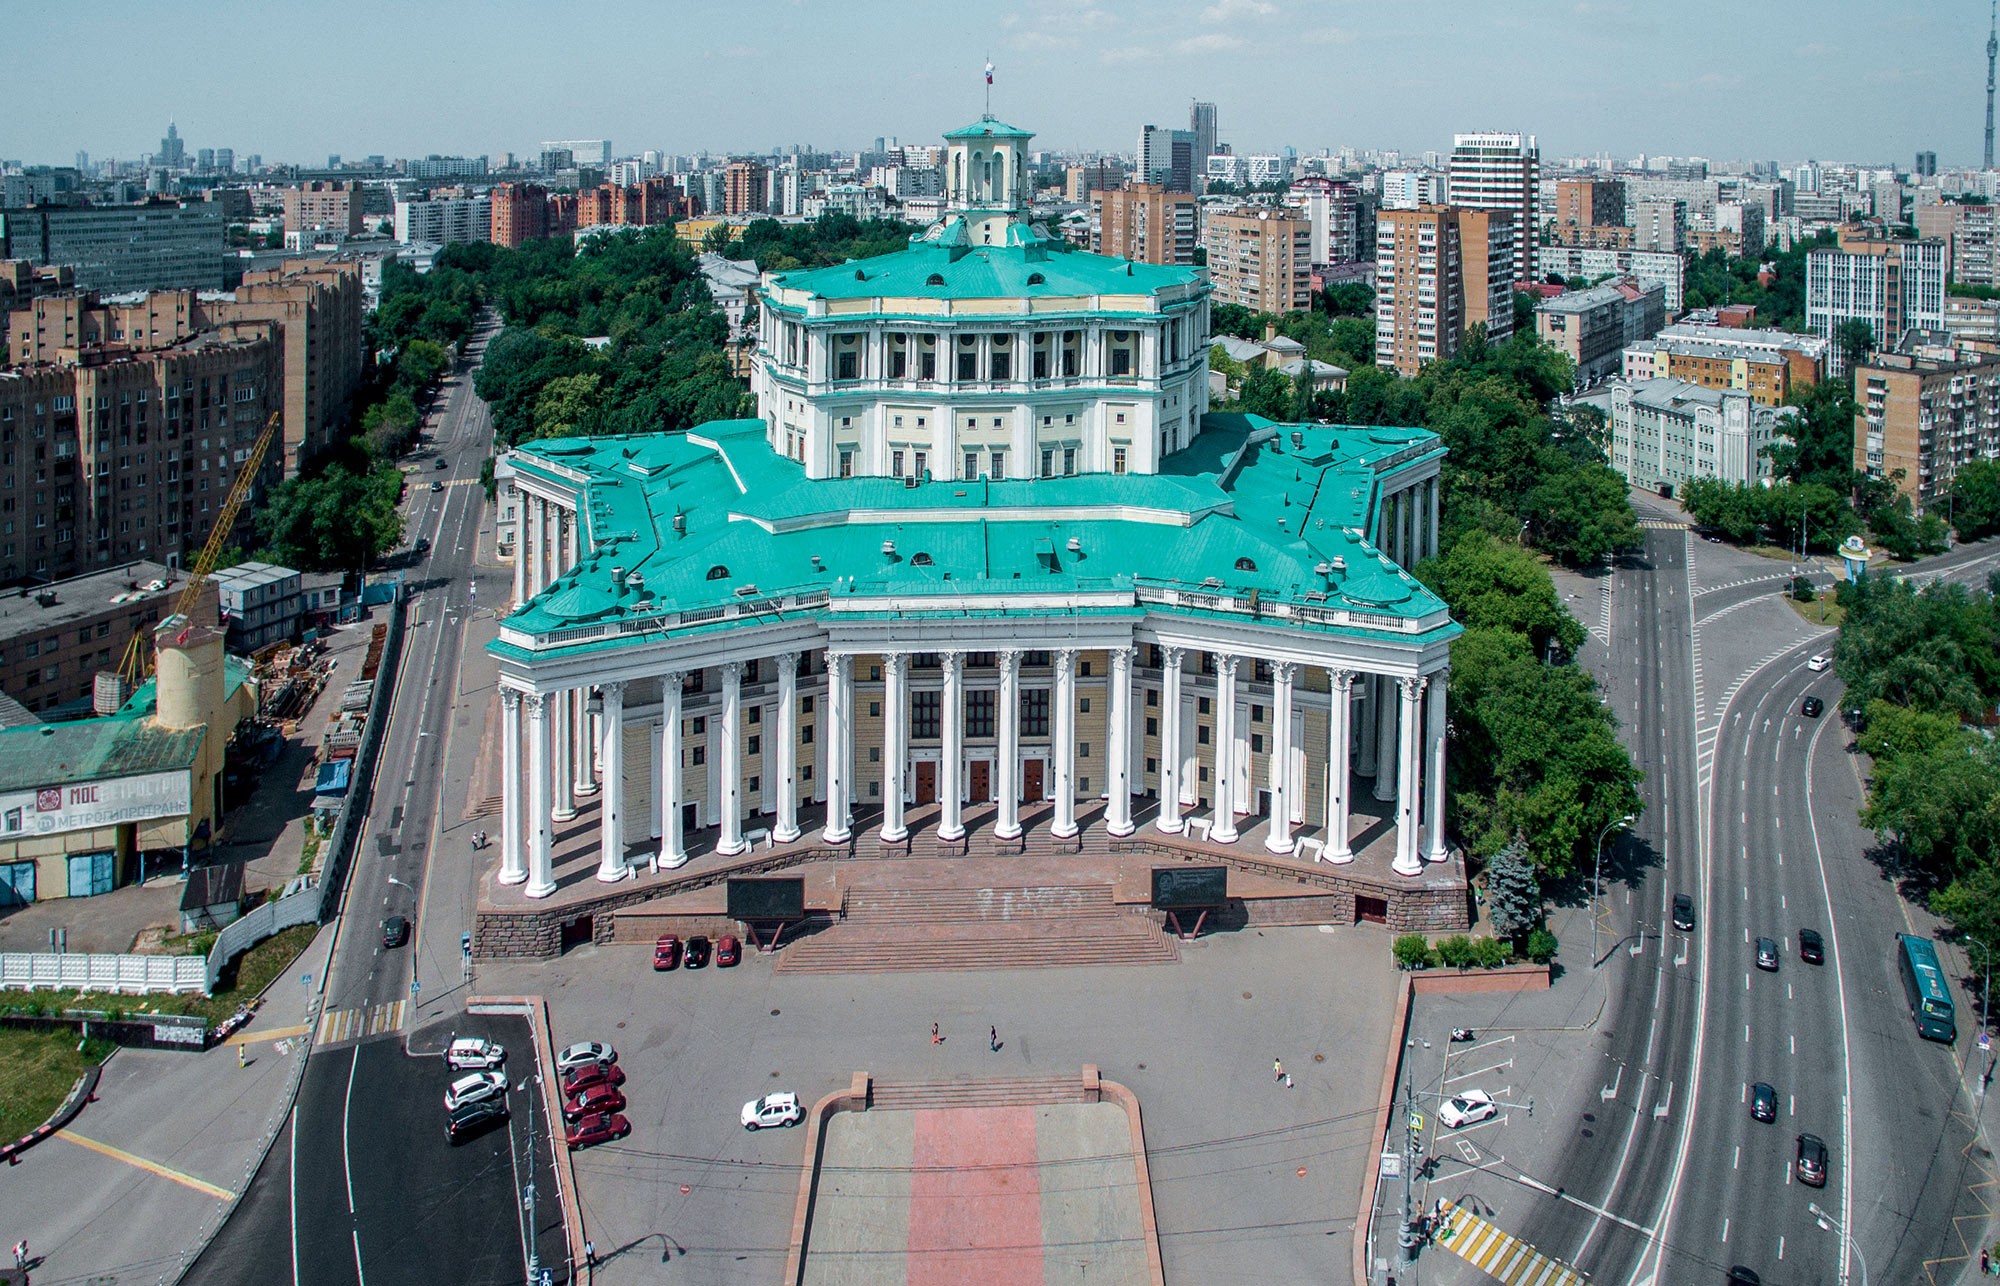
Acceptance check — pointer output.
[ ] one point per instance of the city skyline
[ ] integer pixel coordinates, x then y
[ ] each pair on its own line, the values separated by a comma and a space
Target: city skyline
1620, 80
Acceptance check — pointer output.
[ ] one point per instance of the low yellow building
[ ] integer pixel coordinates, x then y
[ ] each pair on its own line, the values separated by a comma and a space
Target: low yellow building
80, 801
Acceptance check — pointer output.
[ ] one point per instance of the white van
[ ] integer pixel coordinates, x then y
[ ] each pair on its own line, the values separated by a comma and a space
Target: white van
473, 1053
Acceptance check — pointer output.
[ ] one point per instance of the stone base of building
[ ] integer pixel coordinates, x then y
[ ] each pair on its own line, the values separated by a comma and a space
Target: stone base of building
1264, 889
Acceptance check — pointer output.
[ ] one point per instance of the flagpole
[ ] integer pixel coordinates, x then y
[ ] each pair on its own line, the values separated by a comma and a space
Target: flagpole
989, 87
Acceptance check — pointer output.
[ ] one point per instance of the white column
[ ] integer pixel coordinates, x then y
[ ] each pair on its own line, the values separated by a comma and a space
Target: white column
520, 547
1065, 744
611, 864
1363, 726
1431, 527
1280, 838
1434, 764
1009, 824
895, 745
541, 865
513, 852
788, 748
1223, 828
585, 740
1385, 737
562, 779
1407, 862
951, 824
1338, 731
672, 853
1119, 811
729, 772
839, 731
1169, 819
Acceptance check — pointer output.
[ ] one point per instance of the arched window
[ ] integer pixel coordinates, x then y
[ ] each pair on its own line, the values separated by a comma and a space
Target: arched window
920, 560
718, 572
1245, 565
935, 279
1036, 279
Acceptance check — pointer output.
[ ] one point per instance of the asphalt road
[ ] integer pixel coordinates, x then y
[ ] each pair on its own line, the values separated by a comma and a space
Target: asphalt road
368, 1176
1836, 1042
1615, 1179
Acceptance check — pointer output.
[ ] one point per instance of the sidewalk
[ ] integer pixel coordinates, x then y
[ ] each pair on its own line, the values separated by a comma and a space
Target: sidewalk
149, 1170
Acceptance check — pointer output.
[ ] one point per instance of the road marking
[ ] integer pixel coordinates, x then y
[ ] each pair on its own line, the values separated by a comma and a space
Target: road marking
181, 1177
337, 1025
1481, 1072
1725, 1230
1500, 1254
275, 1033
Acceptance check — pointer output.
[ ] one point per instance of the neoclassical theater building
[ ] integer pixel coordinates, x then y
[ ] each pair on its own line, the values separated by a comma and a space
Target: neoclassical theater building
984, 576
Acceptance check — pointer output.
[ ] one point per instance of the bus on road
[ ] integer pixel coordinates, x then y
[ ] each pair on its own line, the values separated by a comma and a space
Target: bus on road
1923, 979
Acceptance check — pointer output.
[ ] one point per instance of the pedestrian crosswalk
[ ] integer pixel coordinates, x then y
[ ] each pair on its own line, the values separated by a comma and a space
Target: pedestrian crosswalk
336, 1025
1662, 524
1498, 1254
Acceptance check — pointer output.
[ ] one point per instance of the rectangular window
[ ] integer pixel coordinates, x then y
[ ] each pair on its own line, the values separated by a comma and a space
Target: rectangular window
925, 714
1003, 365
999, 465
919, 461
846, 463
845, 365
968, 366
895, 464
979, 708
1117, 459
1034, 712
700, 755
700, 727
926, 368
971, 465
1152, 727
1048, 463
1069, 461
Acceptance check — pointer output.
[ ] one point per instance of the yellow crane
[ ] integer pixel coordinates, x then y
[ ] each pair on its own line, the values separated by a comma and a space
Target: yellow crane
136, 664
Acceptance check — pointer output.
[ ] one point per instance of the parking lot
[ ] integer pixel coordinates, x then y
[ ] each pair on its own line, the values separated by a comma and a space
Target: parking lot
1242, 1167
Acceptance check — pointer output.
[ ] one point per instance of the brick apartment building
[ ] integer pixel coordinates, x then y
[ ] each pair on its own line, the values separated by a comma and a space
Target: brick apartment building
1440, 270
745, 188
316, 302
1766, 364
1260, 259
111, 453
1594, 326
1923, 419
1144, 222
324, 205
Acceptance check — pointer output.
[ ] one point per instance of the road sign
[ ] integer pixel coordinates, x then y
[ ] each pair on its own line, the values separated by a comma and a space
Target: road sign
414, 984
1417, 1122
1985, 1041
465, 944
1392, 1165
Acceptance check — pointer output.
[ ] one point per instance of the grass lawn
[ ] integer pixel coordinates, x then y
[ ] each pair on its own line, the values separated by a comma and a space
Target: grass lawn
252, 972
36, 1072
1810, 613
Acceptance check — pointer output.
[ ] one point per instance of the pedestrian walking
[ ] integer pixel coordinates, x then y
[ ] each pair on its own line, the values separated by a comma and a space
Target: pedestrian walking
993, 1039
21, 1253
935, 1038
1277, 1070
242, 1058
1288, 1080
590, 1254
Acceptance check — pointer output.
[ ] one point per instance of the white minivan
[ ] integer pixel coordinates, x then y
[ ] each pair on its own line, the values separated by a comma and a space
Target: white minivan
1819, 663
473, 1053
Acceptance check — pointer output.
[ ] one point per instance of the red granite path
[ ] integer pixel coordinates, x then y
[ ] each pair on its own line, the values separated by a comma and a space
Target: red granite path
975, 1198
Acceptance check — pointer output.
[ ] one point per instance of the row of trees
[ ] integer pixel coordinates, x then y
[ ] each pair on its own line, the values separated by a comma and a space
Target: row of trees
1918, 664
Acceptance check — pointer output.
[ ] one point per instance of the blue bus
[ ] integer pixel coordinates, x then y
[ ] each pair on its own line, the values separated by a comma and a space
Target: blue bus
1923, 979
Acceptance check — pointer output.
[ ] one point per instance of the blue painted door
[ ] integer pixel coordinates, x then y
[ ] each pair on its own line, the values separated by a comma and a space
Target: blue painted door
91, 874
17, 883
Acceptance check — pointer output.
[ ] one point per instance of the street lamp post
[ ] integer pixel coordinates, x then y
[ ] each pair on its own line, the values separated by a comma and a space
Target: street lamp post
1832, 1225
1985, 1012
1597, 876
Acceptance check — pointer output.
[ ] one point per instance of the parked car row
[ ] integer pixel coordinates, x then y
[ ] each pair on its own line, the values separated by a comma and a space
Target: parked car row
669, 953
476, 1101
592, 1100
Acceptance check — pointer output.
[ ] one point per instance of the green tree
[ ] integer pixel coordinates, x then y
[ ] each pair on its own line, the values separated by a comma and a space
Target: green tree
1853, 337
1348, 299
1934, 650
1941, 804
1489, 584
1975, 499
1583, 516
1513, 892
336, 520
564, 403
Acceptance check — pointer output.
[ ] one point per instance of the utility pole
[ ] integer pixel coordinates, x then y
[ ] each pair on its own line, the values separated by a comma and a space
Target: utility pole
1408, 1238
528, 1197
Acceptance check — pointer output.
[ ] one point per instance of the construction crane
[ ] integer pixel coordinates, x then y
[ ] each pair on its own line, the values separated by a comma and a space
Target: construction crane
136, 663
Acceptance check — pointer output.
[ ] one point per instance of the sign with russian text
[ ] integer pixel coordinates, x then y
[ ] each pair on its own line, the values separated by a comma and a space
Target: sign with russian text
113, 801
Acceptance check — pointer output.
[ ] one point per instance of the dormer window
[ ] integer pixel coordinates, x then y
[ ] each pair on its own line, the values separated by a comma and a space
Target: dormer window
920, 560
718, 572
935, 279
1245, 565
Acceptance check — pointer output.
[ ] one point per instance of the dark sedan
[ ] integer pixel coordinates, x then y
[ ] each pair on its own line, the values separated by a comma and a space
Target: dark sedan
697, 952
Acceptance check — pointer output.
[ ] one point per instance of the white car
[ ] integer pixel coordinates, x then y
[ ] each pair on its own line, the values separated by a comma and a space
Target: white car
773, 1109
1819, 663
584, 1053
475, 1088
1466, 1109
473, 1053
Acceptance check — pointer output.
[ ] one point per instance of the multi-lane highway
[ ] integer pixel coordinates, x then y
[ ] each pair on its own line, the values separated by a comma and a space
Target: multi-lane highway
364, 1174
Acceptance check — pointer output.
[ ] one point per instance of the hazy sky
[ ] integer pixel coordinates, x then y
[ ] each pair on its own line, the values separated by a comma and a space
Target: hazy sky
1760, 79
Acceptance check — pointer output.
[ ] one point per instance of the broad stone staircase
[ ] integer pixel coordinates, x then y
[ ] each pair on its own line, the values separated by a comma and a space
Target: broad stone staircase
916, 1096
1037, 926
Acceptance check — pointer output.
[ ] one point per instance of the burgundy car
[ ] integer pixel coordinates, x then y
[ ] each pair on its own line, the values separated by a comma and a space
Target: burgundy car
667, 953
597, 1098
578, 1079
598, 1127
727, 951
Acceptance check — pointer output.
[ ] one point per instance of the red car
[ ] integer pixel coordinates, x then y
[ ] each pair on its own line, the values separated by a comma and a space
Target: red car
598, 1127
667, 953
727, 951
597, 1098
578, 1079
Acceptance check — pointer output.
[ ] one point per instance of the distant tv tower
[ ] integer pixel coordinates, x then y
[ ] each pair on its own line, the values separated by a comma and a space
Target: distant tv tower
1992, 49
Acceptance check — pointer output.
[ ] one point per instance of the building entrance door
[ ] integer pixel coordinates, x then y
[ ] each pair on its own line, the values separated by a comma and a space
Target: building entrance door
1031, 779
926, 781
979, 778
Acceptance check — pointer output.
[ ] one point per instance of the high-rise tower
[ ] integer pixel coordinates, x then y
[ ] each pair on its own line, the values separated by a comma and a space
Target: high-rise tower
1992, 49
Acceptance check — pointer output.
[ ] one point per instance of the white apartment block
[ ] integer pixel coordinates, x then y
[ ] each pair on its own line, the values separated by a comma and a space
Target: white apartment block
444, 222
1664, 432
1408, 189
1593, 263
1500, 171
1894, 286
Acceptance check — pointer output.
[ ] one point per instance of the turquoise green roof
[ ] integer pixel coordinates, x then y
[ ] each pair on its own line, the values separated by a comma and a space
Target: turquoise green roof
987, 127
124, 744
692, 523
942, 264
